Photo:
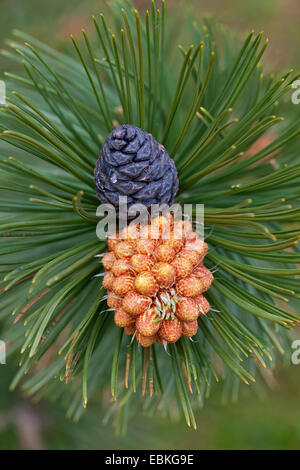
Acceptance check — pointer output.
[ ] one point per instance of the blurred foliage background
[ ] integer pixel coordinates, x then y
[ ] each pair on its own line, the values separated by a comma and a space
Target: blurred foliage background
262, 419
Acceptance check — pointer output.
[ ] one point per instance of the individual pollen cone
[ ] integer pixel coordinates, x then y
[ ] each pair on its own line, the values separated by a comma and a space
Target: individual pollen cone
121, 266
145, 341
156, 285
183, 267
164, 253
141, 263
145, 247
203, 304
113, 301
201, 271
123, 318
170, 330
193, 256
145, 283
108, 280
135, 303
189, 287
123, 284
147, 324
189, 328
204, 274
187, 310
124, 249
164, 274
108, 261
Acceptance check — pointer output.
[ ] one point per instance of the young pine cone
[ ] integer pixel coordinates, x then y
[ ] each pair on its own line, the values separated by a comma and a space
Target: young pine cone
133, 164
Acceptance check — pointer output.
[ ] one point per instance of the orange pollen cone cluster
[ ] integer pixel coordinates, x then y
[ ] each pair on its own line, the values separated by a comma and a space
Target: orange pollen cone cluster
155, 278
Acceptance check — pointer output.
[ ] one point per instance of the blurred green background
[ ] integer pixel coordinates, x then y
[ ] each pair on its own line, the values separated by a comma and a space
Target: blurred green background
265, 420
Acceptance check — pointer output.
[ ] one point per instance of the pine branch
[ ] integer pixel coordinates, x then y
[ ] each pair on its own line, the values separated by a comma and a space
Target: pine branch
59, 110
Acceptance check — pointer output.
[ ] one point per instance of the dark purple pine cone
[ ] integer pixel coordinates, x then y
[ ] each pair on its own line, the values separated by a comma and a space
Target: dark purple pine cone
133, 164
